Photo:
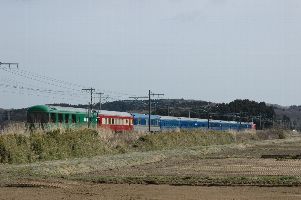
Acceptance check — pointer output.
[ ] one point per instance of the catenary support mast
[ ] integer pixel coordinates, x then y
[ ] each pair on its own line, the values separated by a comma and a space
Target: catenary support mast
91, 104
150, 94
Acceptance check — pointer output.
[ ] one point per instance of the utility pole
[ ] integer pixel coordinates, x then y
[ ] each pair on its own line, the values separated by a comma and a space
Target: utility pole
9, 64
149, 107
91, 103
8, 115
239, 121
100, 96
208, 118
150, 94
260, 122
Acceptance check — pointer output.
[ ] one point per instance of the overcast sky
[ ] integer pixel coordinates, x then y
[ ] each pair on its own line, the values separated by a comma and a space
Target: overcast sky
214, 50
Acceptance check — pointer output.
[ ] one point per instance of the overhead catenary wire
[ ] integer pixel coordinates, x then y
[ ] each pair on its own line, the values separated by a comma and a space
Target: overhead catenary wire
48, 87
37, 79
38, 91
41, 89
34, 94
54, 82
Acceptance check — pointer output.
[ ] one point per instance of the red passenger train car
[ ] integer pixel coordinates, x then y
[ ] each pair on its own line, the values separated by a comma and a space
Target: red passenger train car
116, 121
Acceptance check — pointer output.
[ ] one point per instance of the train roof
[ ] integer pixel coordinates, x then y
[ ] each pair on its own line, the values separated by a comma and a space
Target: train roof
145, 116
114, 113
169, 118
46, 108
192, 119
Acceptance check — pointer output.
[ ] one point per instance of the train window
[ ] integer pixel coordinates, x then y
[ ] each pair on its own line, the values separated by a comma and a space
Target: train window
127, 121
53, 117
131, 122
66, 118
38, 117
73, 118
60, 116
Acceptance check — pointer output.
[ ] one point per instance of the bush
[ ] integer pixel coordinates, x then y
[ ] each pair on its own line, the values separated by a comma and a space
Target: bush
56, 144
172, 140
272, 134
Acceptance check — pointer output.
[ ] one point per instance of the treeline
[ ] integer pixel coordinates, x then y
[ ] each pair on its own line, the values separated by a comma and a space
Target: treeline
15, 115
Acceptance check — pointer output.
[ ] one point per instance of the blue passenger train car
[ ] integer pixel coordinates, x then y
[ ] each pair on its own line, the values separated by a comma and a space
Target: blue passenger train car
141, 122
172, 123
169, 123
193, 123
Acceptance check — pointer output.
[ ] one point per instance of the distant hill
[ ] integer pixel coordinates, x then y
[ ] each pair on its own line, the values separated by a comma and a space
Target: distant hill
289, 116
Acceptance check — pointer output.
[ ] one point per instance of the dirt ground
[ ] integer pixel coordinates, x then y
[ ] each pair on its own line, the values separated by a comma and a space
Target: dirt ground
75, 178
154, 192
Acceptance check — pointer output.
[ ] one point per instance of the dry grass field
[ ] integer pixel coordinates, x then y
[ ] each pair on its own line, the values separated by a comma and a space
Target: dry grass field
171, 166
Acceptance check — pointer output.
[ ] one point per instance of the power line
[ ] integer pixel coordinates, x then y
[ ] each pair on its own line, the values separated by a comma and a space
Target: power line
55, 82
22, 85
70, 88
29, 75
40, 90
49, 78
37, 79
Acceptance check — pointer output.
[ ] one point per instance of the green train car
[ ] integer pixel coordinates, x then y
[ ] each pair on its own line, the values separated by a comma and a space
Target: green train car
43, 116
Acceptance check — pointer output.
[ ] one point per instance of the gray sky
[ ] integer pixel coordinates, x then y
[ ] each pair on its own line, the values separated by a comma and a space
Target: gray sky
215, 50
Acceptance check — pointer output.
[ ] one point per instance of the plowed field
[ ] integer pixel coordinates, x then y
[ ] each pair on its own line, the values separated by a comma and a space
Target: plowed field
234, 171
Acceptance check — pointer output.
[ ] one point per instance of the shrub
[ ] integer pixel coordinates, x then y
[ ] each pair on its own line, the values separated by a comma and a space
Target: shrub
56, 144
172, 140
